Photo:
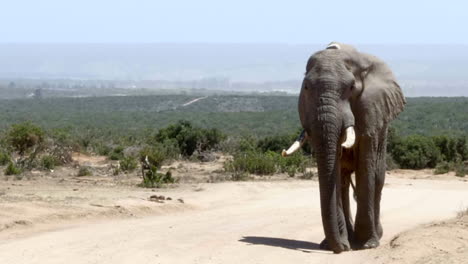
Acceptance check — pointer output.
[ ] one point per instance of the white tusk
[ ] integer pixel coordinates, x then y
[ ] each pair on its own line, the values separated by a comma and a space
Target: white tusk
295, 146
350, 138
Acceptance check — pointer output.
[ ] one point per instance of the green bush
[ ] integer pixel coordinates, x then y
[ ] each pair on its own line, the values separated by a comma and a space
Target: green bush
393, 139
23, 137
189, 138
84, 171
154, 179
4, 158
452, 148
390, 162
252, 162
276, 143
61, 137
211, 138
247, 143
443, 167
292, 164
48, 162
461, 169
12, 169
265, 163
103, 150
416, 152
117, 153
159, 153
128, 163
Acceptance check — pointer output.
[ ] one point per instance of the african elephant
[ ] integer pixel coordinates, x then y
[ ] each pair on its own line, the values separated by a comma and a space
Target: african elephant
346, 102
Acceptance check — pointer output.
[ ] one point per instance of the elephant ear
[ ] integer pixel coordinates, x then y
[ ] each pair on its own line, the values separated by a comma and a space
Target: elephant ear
381, 98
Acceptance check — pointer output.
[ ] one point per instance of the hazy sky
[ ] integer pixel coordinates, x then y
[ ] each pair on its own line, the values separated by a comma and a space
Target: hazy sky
240, 21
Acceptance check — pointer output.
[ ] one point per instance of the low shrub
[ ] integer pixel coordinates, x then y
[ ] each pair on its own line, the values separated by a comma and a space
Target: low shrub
4, 158
117, 153
189, 138
103, 149
157, 153
452, 148
25, 136
251, 162
275, 143
255, 162
154, 179
292, 164
443, 167
239, 176
84, 171
48, 162
390, 162
247, 143
416, 152
461, 169
128, 164
12, 169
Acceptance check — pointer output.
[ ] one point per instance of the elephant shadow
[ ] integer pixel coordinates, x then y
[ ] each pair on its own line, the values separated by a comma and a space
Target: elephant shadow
303, 246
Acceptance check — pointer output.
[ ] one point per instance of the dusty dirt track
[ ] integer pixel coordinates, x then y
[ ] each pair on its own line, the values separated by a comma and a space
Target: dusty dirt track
229, 222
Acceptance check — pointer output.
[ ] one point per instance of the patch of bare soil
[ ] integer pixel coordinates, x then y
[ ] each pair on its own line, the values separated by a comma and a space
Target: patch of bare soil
105, 218
187, 171
427, 174
441, 242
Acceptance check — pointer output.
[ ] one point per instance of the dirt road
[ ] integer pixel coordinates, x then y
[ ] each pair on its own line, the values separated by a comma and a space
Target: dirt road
246, 222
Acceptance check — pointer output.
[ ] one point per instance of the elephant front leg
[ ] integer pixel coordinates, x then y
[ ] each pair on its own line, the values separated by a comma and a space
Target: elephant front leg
345, 221
369, 183
346, 180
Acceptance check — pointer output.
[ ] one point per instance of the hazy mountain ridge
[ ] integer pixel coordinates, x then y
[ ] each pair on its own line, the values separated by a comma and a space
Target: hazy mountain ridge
422, 70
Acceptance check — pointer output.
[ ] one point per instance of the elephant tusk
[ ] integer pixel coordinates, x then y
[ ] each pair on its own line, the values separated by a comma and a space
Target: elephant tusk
296, 145
350, 138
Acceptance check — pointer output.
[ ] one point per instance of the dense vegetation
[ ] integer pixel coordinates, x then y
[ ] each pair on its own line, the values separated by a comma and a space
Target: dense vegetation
41, 133
233, 115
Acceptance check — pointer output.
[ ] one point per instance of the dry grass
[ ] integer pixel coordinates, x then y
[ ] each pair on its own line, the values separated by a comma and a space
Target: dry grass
462, 213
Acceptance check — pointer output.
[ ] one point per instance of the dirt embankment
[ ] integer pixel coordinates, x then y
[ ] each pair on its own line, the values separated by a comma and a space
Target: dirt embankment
438, 242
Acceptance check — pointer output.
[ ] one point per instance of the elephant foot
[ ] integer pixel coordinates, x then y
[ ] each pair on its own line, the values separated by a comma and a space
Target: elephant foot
324, 245
372, 243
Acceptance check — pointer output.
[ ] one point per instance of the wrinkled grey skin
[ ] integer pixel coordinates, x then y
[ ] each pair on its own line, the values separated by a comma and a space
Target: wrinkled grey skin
343, 87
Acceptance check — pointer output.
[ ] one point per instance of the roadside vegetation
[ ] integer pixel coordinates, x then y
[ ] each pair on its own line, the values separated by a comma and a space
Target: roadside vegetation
138, 135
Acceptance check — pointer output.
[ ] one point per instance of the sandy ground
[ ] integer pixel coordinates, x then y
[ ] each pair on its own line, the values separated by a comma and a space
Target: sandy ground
60, 218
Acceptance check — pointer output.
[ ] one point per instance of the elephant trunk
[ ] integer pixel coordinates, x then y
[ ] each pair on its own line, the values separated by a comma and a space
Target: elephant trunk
326, 142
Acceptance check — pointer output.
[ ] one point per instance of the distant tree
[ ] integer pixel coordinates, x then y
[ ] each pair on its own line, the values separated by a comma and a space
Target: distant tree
190, 138
275, 143
462, 147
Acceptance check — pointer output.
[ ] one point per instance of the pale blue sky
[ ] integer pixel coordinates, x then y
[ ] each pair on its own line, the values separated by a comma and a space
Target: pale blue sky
241, 21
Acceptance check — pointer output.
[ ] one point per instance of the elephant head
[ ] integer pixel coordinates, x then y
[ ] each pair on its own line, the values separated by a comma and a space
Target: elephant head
346, 96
